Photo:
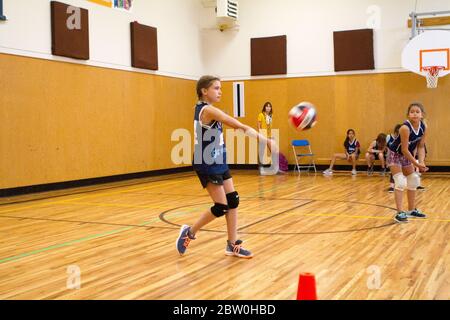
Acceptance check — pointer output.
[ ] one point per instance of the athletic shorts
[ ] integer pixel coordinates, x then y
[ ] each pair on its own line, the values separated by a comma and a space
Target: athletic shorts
397, 159
376, 155
217, 179
356, 156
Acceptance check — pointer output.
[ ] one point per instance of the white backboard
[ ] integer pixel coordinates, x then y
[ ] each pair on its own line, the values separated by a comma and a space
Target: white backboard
430, 48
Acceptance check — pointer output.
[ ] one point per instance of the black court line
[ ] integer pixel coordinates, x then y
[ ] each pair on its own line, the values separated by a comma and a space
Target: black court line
91, 191
177, 226
79, 222
288, 199
438, 175
275, 215
332, 200
321, 232
162, 217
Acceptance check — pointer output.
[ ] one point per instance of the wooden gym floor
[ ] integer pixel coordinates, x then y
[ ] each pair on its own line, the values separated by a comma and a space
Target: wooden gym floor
121, 238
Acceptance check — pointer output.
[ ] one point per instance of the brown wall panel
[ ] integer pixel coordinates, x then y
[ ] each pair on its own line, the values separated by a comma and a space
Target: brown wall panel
353, 50
68, 38
144, 46
268, 56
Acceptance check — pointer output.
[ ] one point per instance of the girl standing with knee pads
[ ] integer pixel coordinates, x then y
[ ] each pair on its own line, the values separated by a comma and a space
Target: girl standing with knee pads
401, 161
211, 167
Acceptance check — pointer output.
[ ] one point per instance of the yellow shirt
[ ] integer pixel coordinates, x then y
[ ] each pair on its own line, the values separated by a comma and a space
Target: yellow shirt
266, 122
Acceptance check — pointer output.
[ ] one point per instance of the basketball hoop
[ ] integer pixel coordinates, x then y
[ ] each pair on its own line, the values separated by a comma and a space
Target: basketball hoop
432, 75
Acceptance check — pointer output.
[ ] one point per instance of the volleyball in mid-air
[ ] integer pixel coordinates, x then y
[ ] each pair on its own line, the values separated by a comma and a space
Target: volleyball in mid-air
303, 116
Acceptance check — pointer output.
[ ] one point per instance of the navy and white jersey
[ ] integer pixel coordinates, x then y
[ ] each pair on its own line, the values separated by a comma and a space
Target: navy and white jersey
352, 146
210, 156
390, 139
395, 144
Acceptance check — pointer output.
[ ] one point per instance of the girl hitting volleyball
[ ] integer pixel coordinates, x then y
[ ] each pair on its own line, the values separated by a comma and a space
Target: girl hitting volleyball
211, 167
412, 135
352, 150
376, 151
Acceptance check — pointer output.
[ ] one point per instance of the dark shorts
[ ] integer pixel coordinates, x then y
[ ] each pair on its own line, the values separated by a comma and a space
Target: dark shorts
377, 157
217, 179
356, 156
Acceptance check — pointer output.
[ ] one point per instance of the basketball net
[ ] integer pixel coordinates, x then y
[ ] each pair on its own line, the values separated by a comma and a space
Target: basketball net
432, 75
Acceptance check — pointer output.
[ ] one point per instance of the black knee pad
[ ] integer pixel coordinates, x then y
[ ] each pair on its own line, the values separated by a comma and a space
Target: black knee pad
219, 209
233, 200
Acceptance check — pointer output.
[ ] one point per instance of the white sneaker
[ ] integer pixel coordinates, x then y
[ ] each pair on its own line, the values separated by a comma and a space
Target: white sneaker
328, 172
353, 172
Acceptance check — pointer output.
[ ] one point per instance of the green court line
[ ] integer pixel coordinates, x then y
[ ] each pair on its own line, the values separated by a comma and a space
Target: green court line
96, 236
65, 244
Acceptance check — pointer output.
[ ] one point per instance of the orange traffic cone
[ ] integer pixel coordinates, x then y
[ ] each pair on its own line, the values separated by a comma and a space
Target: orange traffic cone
306, 287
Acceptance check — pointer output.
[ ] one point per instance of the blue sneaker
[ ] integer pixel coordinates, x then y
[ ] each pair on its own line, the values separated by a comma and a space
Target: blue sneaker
401, 217
237, 250
416, 214
184, 238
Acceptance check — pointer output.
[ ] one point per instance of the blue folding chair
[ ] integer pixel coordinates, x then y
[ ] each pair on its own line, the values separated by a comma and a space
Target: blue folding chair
302, 149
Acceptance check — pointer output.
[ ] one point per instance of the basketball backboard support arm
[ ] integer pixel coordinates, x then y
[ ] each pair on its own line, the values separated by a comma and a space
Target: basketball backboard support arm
416, 22
2, 17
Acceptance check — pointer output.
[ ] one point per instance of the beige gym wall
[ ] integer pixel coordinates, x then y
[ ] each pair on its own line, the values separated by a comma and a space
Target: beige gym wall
63, 121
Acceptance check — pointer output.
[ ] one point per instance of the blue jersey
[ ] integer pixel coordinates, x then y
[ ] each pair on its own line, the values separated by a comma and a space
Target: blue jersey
352, 146
210, 155
395, 144
390, 140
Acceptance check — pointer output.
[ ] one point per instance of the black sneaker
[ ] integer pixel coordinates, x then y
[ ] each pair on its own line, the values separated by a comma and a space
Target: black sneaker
383, 172
420, 188
391, 189
401, 217
416, 214
370, 171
